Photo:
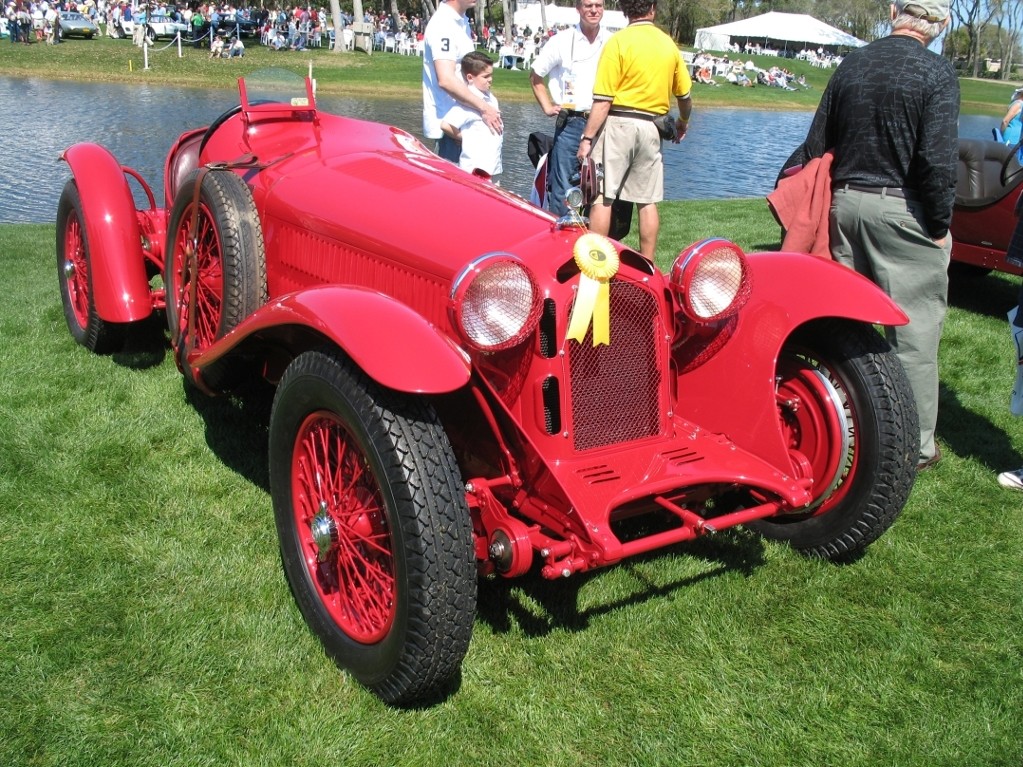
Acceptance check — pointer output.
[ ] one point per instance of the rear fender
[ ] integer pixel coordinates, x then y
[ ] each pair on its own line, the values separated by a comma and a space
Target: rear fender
116, 261
392, 344
733, 392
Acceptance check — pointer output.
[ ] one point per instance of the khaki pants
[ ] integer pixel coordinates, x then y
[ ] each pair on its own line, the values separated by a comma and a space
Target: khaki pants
882, 237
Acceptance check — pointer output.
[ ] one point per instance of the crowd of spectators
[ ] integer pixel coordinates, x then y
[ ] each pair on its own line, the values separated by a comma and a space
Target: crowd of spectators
746, 74
27, 22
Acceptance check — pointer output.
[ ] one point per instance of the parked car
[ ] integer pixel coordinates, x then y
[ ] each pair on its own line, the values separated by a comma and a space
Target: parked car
74, 24
160, 26
239, 26
989, 197
467, 386
122, 29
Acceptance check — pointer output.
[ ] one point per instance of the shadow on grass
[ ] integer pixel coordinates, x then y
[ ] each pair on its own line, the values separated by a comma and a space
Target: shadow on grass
145, 344
237, 428
968, 434
990, 295
539, 606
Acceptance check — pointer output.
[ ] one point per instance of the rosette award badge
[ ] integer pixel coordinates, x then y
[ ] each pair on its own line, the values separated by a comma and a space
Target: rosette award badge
598, 262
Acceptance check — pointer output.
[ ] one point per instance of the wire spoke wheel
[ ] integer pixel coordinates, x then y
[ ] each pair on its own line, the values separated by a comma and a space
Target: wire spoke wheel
74, 272
201, 275
340, 520
375, 533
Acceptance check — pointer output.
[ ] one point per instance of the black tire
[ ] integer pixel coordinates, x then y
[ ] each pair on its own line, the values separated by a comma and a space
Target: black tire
74, 272
850, 418
372, 472
231, 268
150, 35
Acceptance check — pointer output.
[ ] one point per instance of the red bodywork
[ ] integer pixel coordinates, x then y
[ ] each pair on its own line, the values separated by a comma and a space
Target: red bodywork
365, 234
988, 196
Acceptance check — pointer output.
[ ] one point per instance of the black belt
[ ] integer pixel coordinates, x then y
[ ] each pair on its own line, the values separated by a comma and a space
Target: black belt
890, 191
617, 112
574, 113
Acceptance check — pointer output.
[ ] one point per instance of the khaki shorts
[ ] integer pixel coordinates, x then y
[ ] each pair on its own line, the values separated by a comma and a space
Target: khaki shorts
630, 150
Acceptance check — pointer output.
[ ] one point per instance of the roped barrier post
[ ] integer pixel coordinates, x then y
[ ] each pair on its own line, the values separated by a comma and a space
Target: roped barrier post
145, 54
178, 36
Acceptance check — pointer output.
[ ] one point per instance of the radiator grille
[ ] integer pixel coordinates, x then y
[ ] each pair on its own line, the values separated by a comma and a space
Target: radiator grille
616, 387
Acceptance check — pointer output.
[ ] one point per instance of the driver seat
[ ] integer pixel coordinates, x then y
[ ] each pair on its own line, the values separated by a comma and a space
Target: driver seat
978, 181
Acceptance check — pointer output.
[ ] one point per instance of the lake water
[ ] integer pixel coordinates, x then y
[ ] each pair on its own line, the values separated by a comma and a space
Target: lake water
728, 153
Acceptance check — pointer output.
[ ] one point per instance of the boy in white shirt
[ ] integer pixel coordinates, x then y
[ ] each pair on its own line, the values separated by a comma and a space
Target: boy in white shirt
481, 147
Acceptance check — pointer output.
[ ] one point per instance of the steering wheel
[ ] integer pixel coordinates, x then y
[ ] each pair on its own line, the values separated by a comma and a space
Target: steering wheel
1004, 176
223, 118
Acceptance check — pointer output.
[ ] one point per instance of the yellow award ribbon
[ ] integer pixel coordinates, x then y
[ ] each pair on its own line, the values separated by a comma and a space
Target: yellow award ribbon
598, 262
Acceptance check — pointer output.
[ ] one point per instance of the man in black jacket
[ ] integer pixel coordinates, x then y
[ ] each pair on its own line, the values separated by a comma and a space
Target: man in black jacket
890, 113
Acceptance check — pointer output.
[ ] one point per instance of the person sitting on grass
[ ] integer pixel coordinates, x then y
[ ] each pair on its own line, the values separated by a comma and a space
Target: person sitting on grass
704, 76
277, 41
216, 47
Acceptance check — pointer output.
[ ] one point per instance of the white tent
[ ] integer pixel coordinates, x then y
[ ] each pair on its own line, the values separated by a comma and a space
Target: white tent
528, 15
786, 29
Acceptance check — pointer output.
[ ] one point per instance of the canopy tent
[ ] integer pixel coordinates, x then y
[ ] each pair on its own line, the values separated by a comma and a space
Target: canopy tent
528, 15
784, 29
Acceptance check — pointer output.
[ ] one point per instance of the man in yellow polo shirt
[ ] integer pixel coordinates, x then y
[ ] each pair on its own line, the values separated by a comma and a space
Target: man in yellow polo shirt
639, 71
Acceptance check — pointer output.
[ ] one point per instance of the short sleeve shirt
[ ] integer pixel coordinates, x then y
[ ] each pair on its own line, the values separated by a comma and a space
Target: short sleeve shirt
448, 38
641, 68
570, 61
481, 147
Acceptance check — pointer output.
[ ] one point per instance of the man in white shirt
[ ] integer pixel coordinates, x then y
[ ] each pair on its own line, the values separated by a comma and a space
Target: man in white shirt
448, 38
569, 60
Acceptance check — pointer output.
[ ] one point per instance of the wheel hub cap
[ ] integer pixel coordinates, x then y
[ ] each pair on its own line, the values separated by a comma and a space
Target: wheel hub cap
69, 269
324, 532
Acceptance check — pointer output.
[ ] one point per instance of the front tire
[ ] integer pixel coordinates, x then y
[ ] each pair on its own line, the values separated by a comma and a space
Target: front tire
374, 531
74, 272
847, 411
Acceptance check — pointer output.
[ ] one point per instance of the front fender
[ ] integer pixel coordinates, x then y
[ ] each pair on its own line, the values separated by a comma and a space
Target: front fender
733, 393
120, 288
392, 344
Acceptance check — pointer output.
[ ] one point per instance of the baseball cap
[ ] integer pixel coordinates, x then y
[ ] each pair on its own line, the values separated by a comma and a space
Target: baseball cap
929, 10
1016, 94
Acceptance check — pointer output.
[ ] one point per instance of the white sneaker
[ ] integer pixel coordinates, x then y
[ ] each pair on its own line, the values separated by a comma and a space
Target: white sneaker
1011, 479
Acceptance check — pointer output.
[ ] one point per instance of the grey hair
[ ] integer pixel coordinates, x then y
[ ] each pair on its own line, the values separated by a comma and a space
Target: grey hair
928, 29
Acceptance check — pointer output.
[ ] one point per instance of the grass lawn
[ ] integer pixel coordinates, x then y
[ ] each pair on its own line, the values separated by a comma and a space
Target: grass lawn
381, 73
147, 622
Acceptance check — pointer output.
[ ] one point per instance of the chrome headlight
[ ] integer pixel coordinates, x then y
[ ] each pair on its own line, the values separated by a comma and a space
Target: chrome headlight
495, 302
711, 280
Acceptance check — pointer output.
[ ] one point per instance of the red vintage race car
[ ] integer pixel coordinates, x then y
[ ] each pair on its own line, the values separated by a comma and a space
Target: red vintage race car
989, 197
466, 386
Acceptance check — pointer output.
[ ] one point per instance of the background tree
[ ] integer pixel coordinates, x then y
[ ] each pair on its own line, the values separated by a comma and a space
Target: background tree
508, 22
1008, 15
972, 16
337, 24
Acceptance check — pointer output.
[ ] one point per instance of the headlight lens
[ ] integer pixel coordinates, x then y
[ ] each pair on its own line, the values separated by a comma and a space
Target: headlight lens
495, 302
711, 280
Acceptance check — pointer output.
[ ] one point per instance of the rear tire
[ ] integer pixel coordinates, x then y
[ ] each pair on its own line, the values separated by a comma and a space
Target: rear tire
375, 534
74, 272
848, 412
